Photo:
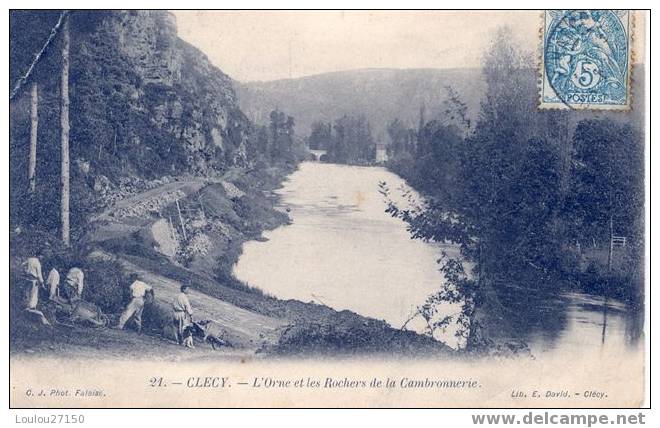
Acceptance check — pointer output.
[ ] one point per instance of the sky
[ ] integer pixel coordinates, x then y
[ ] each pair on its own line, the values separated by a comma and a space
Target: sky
270, 45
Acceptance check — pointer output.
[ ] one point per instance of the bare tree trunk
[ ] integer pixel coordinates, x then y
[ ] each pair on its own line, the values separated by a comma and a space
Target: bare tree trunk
611, 250
34, 125
183, 226
64, 135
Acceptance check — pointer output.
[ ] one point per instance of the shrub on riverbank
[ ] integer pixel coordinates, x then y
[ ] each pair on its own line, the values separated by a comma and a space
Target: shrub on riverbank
347, 333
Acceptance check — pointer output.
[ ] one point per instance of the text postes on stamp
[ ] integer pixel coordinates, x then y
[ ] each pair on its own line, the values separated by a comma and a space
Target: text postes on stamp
586, 59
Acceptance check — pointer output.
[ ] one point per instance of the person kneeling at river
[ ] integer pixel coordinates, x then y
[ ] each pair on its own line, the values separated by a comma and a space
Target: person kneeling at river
182, 317
135, 307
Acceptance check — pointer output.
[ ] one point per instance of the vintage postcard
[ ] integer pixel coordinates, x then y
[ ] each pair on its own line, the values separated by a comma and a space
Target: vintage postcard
333, 208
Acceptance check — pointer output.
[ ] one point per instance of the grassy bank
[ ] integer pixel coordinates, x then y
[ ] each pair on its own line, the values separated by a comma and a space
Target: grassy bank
227, 215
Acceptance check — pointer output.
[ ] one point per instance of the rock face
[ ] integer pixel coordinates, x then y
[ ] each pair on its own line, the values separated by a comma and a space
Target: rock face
177, 87
149, 41
143, 101
164, 238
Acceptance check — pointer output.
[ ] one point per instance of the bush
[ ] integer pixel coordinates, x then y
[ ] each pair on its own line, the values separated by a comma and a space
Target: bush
33, 241
616, 285
106, 284
223, 274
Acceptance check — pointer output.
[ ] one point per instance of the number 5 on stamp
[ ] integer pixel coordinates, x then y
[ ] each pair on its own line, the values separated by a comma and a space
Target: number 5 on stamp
586, 59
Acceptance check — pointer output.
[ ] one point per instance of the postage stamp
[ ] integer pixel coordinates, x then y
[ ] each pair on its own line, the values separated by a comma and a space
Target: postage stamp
586, 59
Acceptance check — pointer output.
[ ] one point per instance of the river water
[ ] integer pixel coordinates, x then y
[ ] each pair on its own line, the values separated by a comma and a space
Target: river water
344, 251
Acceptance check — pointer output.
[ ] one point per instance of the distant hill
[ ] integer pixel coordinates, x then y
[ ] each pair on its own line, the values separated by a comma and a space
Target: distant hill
384, 94
380, 94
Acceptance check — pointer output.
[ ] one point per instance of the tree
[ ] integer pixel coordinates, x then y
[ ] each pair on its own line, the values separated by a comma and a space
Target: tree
321, 136
339, 151
402, 139
364, 140
438, 161
64, 135
282, 136
261, 143
501, 195
455, 111
606, 186
34, 126
352, 141
535, 200
494, 154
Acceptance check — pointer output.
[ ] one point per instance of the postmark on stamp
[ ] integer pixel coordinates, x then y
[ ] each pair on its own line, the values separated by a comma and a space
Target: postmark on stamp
586, 59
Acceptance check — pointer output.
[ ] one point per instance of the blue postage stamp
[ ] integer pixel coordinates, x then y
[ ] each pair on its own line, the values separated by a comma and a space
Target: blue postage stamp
586, 59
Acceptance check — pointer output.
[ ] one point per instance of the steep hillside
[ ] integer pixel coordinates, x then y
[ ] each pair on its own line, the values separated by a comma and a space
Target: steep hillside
144, 104
380, 94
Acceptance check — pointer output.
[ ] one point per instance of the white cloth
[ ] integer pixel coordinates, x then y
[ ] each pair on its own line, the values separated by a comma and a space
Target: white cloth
33, 277
53, 282
133, 310
182, 317
33, 269
139, 289
33, 295
76, 278
182, 304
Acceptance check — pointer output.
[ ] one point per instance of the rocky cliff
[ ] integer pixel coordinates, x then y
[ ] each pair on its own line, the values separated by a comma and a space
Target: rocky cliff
144, 103
169, 82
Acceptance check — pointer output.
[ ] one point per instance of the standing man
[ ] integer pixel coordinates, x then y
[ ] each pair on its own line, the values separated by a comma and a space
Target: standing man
136, 305
33, 280
183, 317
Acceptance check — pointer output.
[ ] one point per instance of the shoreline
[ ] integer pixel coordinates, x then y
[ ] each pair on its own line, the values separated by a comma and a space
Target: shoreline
308, 329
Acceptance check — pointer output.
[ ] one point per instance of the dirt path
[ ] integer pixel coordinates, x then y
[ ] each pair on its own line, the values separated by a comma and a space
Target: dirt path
245, 329
188, 186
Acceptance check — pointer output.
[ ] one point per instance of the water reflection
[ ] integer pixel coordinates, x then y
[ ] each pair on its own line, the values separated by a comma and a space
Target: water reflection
344, 251
570, 321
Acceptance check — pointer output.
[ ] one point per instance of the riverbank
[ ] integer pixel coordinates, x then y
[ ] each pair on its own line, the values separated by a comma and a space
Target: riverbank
224, 213
539, 308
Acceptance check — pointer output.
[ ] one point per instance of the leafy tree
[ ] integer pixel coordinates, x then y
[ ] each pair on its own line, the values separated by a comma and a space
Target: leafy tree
496, 193
495, 155
606, 185
351, 141
260, 143
281, 136
402, 139
455, 111
321, 136
530, 234
438, 160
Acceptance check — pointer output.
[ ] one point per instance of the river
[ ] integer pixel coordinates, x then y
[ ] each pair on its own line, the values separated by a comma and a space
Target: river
342, 250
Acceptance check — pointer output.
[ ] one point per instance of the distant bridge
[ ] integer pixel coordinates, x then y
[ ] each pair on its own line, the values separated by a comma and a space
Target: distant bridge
318, 153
